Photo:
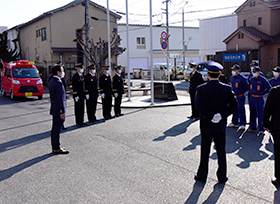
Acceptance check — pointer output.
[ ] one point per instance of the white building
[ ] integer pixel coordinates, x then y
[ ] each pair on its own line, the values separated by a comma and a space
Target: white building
212, 32
139, 45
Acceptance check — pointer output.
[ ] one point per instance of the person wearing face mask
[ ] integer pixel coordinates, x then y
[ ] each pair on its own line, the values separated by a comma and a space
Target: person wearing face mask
252, 66
275, 81
118, 90
58, 108
78, 85
258, 87
91, 93
239, 85
105, 86
195, 80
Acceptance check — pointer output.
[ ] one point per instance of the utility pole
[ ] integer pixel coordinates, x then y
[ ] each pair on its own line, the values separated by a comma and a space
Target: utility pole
87, 30
167, 40
183, 20
109, 38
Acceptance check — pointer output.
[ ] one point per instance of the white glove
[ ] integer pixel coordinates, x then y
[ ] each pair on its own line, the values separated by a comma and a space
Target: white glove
103, 95
216, 118
87, 96
116, 95
77, 98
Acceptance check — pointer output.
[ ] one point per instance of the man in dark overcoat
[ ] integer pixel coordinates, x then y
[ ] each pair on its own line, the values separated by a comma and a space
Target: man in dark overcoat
215, 101
118, 90
78, 85
271, 123
91, 93
106, 92
195, 80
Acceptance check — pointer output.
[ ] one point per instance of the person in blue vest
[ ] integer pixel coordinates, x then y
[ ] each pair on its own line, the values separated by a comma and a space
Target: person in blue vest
252, 66
258, 87
239, 85
275, 81
215, 101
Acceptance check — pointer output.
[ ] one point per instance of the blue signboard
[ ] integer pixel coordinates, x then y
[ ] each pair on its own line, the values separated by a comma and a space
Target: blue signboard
235, 57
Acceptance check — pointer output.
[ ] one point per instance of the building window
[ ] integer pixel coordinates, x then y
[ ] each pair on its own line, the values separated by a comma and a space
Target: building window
44, 34
239, 36
141, 42
242, 35
245, 23
70, 65
260, 21
252, 4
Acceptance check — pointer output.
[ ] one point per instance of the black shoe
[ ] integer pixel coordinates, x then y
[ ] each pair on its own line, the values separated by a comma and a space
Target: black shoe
117, 115
197, 118
106, 118
64, 128
223, 180
275, 182
199, 179
121, 114
79, 125
191, 116
60, 151
84, 124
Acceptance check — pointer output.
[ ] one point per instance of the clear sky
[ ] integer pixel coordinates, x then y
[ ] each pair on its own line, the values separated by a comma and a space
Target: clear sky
16, 12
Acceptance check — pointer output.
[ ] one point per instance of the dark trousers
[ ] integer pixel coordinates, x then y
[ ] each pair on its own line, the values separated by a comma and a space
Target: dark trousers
107, 106
117, 107
239, 116
256, 112
219, 141
91, 108
195, 112
276, 138
56, 127
79, 111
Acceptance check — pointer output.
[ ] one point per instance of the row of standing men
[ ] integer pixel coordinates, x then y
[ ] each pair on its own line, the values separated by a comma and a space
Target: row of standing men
85, 88
256, 84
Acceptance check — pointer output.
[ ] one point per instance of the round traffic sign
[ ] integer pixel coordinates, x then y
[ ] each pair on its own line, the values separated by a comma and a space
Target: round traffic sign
164, 45
163, 35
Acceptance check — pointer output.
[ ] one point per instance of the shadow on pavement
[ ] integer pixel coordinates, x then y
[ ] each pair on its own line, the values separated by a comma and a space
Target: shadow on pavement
5, 174
195, 142
197, 189
216, 193
277, 196
175, 130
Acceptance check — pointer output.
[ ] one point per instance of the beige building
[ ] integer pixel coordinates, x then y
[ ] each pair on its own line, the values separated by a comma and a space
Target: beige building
49, 37
257, 36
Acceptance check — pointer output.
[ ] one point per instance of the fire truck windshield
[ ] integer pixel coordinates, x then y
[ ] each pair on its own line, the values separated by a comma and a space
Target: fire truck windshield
25, 73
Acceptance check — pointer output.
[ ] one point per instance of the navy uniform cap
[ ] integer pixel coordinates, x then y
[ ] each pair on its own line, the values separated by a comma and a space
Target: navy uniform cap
214, 67
276, 69
254, 64
192, 64
92, 66
118, 67
79, 65
256, 69
105, 67
236, 66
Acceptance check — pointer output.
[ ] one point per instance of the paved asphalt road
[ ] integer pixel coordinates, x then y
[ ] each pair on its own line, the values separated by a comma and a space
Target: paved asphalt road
146, 156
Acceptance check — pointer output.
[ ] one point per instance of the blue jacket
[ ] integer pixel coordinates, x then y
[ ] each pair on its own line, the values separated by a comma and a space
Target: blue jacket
259, 85
274, 82
239, 84
211, 98
58, 98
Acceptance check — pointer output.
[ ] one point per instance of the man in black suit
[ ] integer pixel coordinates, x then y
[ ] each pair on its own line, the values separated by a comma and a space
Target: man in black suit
58, 108
105, 86
215, 101
118, 90
271, 123
78, 85
195, 80
91, 91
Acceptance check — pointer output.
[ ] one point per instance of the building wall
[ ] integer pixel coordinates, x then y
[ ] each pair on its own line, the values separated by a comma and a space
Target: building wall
260, 10
213, 31
140, 57
242, 43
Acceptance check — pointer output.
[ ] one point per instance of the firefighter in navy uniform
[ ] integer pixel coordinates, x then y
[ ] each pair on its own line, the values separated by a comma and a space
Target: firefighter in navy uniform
195, 80
275, 81
259, 86
106, 92
118, 90
215, 101
78, 84
91, 93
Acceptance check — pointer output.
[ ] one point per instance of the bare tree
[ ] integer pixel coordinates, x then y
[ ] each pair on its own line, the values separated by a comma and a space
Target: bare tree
97, 53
